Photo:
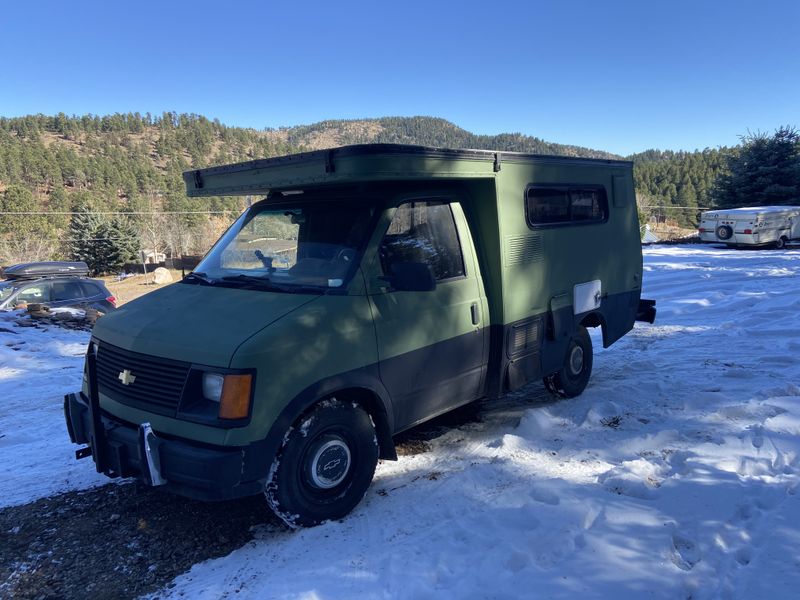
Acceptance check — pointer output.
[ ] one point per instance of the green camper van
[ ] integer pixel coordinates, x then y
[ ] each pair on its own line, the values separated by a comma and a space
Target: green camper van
372, 288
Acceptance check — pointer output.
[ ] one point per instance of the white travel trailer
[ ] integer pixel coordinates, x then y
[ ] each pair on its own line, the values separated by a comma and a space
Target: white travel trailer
756, 226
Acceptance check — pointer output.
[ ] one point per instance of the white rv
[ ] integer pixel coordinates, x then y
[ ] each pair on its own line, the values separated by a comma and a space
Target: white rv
757, 226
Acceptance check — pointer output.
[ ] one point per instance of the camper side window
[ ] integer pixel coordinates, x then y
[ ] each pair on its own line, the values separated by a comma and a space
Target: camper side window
562, 205
423, 232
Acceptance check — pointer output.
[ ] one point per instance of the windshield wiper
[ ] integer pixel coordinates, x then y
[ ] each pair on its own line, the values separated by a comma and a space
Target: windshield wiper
198, 277
264, 283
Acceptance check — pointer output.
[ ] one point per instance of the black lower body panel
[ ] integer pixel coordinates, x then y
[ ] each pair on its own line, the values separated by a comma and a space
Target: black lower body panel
190, 469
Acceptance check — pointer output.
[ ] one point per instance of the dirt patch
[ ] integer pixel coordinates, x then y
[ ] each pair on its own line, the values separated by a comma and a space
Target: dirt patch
132, 287
118, 541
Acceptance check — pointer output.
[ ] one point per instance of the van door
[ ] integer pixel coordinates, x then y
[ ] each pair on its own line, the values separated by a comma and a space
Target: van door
430, 343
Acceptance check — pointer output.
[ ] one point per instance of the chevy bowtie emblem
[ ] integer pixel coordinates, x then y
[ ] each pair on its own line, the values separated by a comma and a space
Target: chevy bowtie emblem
126, 378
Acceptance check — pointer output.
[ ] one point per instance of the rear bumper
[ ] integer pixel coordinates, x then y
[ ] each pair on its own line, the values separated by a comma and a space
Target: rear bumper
646, 311
120, 449
738, 239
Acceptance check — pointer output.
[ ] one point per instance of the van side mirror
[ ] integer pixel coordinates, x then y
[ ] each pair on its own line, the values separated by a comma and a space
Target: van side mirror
412, 277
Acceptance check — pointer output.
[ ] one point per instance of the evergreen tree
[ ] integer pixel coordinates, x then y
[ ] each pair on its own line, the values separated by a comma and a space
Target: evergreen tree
18, 199
765, 171
104, 244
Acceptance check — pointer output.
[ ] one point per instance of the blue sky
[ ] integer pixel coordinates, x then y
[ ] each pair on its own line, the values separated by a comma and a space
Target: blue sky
613, 75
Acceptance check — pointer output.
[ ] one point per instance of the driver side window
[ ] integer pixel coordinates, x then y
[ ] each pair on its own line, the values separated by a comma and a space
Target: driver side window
423, 232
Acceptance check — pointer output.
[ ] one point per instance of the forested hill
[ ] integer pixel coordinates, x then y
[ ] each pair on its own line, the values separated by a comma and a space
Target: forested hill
424, 131
680, 182
117, 158
133, 162
113, 160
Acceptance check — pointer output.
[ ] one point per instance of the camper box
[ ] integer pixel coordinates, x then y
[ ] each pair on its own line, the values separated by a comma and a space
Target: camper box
372, 288
773, 226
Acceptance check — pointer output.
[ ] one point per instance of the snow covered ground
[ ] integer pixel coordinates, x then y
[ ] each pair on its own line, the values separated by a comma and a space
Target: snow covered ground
675, 475
37, 367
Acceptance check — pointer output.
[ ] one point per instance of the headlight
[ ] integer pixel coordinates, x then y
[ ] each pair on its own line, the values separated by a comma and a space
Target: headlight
232, 392
212, 386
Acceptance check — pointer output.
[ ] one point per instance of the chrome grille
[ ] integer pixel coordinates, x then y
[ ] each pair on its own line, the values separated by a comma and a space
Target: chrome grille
158, 385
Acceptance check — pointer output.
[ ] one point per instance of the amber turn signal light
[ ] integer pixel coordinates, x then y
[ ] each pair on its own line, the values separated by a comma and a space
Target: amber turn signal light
235, 401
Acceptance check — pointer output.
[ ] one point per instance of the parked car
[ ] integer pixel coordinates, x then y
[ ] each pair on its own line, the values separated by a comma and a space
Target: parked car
373, 288
53, 284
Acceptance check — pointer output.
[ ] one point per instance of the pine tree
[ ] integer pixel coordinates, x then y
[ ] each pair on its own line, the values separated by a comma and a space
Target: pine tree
765, 171
104, 244
16, 199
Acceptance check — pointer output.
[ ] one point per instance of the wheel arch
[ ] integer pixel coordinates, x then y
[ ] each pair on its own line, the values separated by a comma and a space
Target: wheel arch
595, 319
362, 388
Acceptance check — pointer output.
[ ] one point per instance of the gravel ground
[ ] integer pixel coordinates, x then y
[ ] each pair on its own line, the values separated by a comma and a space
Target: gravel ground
117, 541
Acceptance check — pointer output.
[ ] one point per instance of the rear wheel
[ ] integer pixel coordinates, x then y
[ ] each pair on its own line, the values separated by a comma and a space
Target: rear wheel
572, 378
325, 466
780, 243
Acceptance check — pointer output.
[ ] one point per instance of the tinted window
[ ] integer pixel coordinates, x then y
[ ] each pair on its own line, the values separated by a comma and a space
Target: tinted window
565, 204
65, 290
89, 289
547, 205
586, 205
424, 232
38, 292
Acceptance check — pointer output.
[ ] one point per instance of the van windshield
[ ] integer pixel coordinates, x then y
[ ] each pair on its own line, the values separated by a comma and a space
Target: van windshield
289, 247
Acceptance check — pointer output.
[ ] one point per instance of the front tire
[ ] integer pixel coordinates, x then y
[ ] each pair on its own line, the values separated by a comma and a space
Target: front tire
325, 466
573, 376
780, 243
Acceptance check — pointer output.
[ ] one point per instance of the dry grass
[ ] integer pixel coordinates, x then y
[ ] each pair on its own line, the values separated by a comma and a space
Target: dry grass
136, 286
665, 231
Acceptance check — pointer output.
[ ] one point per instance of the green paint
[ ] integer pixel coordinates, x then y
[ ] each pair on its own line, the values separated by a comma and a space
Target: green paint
296, 340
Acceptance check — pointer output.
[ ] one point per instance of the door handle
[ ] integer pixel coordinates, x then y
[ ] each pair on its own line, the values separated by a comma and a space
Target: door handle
473, 310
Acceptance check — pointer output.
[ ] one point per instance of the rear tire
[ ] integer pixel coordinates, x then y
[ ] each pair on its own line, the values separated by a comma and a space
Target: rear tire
572, 378
325, 466
780, 243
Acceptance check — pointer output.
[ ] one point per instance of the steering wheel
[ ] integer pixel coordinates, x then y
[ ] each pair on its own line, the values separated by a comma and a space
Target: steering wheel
345, 255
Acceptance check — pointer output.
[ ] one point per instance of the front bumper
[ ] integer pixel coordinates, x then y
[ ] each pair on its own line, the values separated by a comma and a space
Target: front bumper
120, 449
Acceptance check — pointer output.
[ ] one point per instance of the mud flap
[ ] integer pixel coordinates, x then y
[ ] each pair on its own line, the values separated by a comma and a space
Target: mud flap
149, 458
560, 317
646, 311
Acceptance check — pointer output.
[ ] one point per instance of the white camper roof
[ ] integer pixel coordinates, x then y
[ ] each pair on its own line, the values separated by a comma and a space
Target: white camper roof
750, 212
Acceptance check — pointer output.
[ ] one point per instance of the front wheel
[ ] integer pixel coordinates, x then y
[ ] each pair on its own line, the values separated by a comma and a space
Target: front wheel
780, 243
325, 466
573, 376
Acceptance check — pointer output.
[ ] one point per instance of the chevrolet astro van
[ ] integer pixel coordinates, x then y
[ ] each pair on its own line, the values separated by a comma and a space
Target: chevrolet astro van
372, 288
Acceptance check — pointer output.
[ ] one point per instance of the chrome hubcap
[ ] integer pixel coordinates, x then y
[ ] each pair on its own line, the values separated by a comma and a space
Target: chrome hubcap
576, 360
330, 464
